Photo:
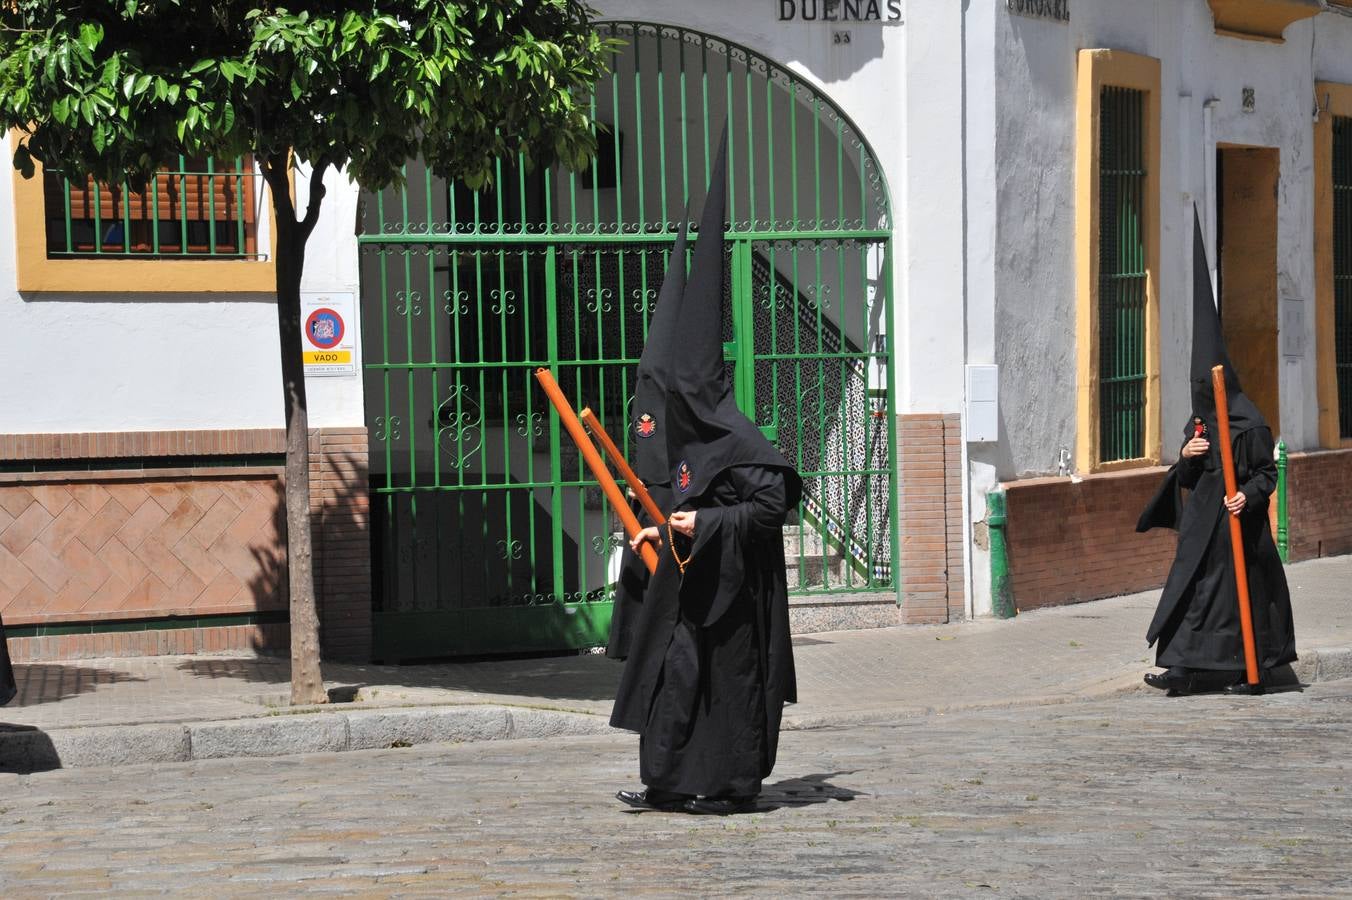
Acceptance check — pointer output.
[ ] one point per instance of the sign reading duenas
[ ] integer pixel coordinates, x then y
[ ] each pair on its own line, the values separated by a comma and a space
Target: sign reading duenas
881, 11
1056, 10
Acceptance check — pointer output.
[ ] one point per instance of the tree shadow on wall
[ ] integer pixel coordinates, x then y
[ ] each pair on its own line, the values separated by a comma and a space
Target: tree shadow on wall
340, 539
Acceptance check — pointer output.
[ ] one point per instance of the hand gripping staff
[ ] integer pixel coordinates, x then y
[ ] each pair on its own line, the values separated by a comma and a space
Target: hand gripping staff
594, 463
1236, 535
629, 475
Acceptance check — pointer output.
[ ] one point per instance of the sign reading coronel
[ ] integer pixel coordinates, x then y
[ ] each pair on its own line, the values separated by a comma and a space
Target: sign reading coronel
879, 11
328, 342
1056, 10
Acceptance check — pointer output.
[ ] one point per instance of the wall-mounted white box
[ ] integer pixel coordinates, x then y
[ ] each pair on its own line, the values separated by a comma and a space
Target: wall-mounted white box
983, 404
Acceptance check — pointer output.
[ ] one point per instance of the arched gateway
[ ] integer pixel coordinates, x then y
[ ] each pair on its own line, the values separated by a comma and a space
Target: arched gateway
489, 536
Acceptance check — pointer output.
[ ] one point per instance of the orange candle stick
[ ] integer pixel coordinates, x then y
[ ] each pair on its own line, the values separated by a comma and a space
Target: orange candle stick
636, 483
598, 468
1236, 535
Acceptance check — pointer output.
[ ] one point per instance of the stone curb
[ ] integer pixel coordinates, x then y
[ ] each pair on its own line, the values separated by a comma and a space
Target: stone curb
333, 730
34, 750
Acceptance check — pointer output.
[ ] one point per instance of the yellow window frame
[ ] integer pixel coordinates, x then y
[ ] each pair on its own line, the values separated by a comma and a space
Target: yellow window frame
1334, 100
39, 274
1096, 69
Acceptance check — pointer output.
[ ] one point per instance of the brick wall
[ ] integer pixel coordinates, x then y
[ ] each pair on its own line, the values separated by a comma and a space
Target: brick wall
1071, 541
1319, 503
82, 547
340, 511
929, 489
270, 638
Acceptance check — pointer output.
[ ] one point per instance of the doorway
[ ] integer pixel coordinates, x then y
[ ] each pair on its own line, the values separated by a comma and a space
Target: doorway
1246, 277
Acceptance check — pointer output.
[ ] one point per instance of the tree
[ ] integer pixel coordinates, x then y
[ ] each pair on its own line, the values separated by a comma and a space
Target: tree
119, 88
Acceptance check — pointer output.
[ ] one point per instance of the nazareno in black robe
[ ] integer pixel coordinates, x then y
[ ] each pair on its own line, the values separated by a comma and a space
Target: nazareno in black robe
710, 661
1196, 623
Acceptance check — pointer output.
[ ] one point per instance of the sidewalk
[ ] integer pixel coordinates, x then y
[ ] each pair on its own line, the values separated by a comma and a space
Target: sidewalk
112, 711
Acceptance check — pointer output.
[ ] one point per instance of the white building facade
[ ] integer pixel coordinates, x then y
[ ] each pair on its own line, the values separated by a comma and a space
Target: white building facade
960, 258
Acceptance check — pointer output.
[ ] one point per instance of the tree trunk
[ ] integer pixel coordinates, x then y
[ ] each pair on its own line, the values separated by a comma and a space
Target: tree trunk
307, 681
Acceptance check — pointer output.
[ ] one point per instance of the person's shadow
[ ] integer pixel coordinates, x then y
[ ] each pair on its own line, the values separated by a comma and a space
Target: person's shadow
806, 790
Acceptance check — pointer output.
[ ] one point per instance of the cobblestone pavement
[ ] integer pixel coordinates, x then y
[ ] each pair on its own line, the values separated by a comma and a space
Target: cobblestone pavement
1085, 649
1138, 796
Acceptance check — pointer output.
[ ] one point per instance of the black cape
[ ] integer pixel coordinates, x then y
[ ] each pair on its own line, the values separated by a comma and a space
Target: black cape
710, 662
632, 582
648, 430
1196, 623
706, 683
8, 688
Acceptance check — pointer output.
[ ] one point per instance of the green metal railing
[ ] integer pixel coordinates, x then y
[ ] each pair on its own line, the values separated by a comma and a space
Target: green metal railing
1122, 275
482, 509
1342, 269
194, 209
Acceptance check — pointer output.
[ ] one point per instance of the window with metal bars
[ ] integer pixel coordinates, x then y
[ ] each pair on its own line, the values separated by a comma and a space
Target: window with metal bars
1122, 274
198, 208
1342, 269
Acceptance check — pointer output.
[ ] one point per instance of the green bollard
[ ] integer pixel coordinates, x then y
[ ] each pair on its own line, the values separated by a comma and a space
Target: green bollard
1002, 592
1283, 525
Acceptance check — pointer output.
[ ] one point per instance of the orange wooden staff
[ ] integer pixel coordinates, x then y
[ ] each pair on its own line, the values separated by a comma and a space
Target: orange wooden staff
594, 463
629, 475
1236, 534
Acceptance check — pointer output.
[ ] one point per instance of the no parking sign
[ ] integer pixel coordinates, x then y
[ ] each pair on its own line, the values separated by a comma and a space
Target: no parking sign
328, 346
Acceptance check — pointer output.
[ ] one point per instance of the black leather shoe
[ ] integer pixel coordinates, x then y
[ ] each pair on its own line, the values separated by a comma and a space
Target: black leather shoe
664, 801
720, 806
1171, 680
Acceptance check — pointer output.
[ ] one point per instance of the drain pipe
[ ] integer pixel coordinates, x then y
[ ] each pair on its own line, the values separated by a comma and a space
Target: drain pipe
1283, 525
1002, 593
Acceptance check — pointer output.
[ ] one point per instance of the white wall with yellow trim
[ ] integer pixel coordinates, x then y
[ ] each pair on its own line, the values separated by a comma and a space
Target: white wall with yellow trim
1024, 310
132, 345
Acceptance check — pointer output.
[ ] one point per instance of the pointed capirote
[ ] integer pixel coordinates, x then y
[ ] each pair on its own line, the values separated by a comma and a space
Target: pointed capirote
706, 432
1208, 349
648, 414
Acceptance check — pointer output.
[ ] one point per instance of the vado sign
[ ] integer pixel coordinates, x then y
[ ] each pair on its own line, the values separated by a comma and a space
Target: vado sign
328, 345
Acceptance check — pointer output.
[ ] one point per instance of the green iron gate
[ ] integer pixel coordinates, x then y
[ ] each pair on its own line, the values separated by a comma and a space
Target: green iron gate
489, 536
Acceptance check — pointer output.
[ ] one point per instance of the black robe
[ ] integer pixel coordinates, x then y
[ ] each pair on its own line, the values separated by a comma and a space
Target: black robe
7, 686
711, 663
1197, 621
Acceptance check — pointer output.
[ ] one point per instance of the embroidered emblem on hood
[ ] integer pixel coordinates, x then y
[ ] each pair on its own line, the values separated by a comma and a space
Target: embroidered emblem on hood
646, 426
684, 476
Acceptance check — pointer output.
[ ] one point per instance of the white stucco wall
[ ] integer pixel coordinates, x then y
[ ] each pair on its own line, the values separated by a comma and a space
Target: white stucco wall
148, 361
865, 78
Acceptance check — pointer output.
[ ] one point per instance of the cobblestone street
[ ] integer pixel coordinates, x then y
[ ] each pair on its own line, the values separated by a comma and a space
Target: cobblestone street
1137, 796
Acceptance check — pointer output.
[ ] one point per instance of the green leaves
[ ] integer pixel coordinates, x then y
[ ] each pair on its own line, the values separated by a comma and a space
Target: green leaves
107, 87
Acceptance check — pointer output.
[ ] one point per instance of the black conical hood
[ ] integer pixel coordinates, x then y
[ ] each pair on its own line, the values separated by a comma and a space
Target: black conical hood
654, 369
706, 432
1208, 350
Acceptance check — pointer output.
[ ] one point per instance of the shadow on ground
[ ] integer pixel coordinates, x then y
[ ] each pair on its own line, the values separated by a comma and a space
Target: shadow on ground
50, 682
806, 790
25, 749
574, 677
